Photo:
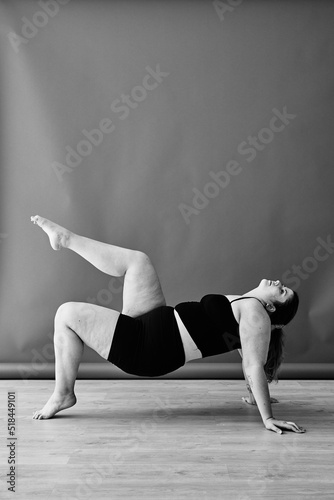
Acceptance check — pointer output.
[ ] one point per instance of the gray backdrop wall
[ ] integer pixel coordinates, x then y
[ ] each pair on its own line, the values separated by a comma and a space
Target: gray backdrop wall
200, 132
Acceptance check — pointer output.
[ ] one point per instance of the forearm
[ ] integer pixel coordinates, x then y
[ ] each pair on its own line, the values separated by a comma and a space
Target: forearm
259, 386
250, 393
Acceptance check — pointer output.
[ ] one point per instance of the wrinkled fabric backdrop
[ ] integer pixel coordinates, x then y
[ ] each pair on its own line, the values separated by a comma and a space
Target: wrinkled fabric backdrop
199, 132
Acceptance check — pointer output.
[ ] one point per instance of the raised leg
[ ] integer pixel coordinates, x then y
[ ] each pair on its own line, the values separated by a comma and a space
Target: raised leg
142, 290
76, 324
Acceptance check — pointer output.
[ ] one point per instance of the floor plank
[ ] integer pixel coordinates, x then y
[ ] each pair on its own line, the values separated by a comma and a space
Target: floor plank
169, 439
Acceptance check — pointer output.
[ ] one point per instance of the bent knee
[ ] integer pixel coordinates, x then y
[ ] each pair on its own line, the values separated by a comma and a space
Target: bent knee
67, 313
141, 265
141, 259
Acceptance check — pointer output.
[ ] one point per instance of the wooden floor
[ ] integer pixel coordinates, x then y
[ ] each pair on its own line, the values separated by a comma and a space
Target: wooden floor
170, 439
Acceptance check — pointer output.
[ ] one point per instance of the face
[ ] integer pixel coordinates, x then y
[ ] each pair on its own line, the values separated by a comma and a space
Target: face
275, 291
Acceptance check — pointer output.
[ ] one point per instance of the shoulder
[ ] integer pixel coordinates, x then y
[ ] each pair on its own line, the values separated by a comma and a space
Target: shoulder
254, 325
252, 311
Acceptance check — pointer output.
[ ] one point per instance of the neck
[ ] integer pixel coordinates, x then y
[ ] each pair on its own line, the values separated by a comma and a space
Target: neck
254, 293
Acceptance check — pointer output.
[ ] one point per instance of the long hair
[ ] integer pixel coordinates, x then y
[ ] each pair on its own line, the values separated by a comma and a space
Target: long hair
283, 314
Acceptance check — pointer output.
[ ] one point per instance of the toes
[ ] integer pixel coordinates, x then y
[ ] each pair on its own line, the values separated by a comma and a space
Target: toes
38, 415
35, 219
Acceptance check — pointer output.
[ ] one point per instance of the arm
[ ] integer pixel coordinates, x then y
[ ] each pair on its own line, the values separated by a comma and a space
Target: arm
255, 343
255, 330
250, 399
259, 386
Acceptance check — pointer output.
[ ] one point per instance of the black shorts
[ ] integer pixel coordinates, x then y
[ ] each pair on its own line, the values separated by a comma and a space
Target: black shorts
149, 345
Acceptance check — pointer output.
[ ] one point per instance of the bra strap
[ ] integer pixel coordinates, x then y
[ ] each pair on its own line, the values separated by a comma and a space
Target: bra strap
240, 298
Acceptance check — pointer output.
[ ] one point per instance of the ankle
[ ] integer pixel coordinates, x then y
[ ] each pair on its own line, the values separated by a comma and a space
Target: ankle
66, 238
61, 394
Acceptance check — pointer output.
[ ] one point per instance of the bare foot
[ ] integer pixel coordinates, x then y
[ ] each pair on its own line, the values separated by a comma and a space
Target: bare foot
59, 236
55, 404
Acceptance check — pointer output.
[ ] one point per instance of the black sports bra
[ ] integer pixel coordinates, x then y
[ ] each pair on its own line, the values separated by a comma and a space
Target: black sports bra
211, 323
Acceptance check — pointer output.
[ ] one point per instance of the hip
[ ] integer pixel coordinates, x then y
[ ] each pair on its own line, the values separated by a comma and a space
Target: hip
148, 345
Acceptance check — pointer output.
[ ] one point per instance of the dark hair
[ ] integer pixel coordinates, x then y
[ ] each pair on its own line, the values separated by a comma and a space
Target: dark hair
283, 314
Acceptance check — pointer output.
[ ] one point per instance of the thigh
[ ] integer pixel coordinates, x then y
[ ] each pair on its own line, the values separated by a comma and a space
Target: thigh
142, 290
95, 325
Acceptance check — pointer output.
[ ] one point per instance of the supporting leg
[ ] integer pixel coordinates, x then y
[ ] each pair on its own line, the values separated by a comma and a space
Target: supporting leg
76, 324
68, 354
69, 349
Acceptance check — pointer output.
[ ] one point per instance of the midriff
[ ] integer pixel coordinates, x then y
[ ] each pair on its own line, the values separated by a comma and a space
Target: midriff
190, 348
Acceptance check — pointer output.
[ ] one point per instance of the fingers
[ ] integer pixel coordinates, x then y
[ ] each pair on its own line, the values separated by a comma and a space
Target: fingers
274, 400
290, 426
282, 424
294, 427
276, 429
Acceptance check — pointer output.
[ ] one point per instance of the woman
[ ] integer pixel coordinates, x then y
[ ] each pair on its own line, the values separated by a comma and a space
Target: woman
150, 338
